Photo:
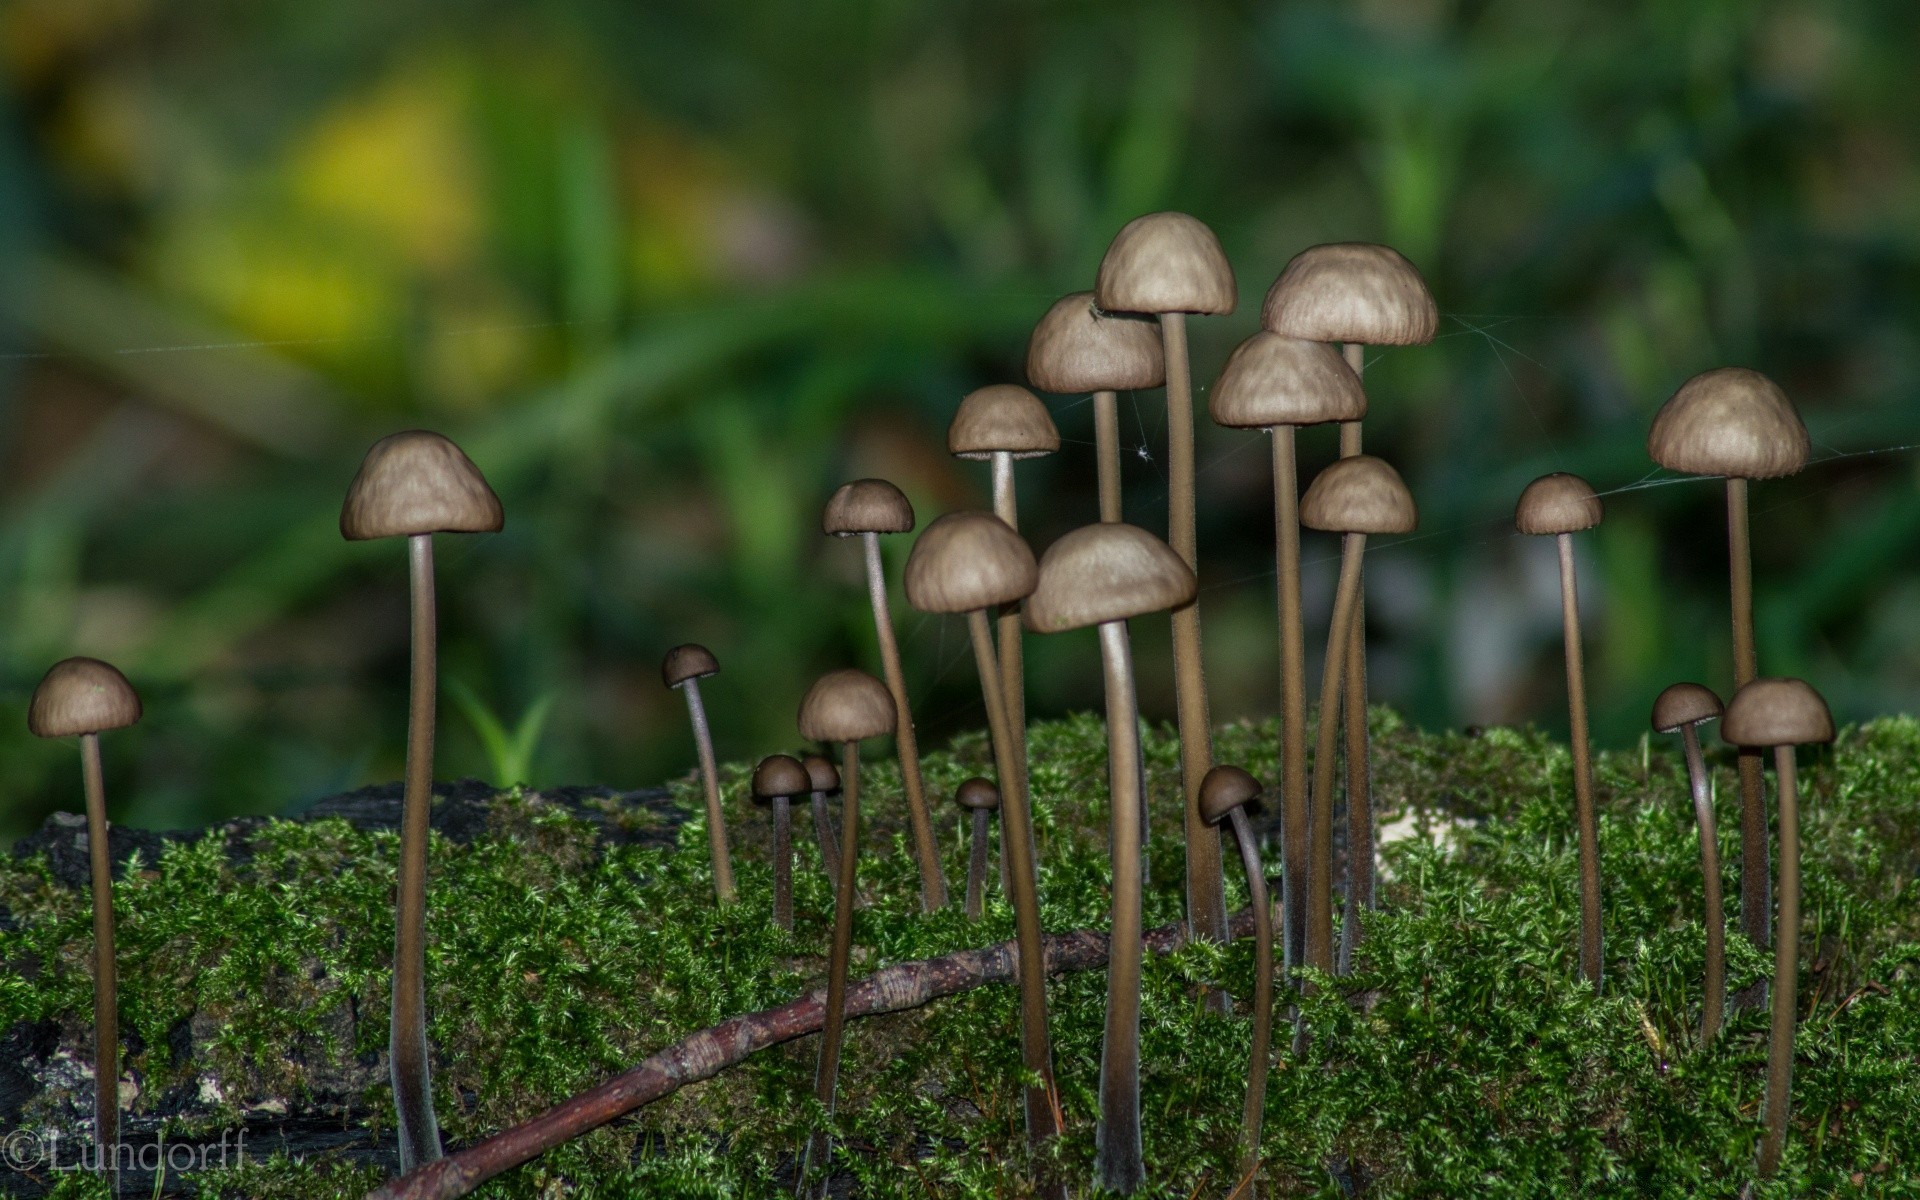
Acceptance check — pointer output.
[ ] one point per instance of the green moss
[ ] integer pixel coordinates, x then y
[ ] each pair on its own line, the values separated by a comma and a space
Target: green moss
1464, 1059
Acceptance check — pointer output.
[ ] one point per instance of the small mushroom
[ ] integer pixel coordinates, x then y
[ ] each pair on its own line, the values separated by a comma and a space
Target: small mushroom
1076, 348
1681, 709
1783, 714
981, 799
776, 781
825, 779
684, 667
83, 698
1226, 795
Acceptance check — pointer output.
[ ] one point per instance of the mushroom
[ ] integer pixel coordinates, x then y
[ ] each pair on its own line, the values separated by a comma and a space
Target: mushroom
684, 667
1354, 497
1226, 795
776, 781
868, 508
1077, 348
1103, 575
1275, 382
83, 698
825, 780
1170, 264
980, 798
845, 706
1680, 709
1563, 505
413, 485
1781, 713
1737, 423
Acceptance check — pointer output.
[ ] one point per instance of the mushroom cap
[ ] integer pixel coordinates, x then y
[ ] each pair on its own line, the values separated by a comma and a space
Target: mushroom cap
1165, 262
977, 793
822, 774
1352, 292
968, 560
1272, 379
1683, 704
866, 506
1078, 348
691, 661
1731, 421
780, 775
1361, 494
1106, 572
1002, 418
1777, 712
78, 696
1557, 503
847, 705
418, 482
1225, 788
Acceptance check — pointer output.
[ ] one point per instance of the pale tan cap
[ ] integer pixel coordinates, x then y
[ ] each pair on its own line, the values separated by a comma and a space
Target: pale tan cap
1352, 292
418, 482
1165, 262
1361, 494
1271, 379
1683, 704
1557, 503
1078, 348
78, 696
1731, 421
1002, 418
1777, 712
847, 705
866, 506
1225, 788
965, 561
1106, 572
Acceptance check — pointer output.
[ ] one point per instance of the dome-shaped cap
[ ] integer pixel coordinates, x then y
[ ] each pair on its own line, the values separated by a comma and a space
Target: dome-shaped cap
780, 775
968, 560
1078, 348
1361, 494
822, 775
1777, 712
1165, 262
1730, 421
418, 482
846, 706
1002, 418
691, 661
80, 696
866, 506
1106, 572
977, 793
1225, 788
1351, 292
1271, 379
1684, 704
1557, 503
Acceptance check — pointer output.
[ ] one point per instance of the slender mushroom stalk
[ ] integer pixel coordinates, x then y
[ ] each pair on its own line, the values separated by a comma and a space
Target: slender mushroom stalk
1077, 349
1681, 709
1783, 714
980, 799
1562, 505
683, 668
825, 780
1104, 575
83, 698
776, 781
1737, 423
868, 508
413, 485
1228, 794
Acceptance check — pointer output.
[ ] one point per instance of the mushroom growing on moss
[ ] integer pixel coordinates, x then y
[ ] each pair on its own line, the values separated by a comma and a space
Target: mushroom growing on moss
1680, 709
824, 778
776, 781
1076, 348
1226, 795
980, 800
683, 668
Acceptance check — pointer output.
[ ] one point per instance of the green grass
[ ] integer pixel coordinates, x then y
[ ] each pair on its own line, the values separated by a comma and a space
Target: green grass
1480, 1067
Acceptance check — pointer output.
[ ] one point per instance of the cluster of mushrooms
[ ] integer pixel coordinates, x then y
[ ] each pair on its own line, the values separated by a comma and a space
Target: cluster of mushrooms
1304, 368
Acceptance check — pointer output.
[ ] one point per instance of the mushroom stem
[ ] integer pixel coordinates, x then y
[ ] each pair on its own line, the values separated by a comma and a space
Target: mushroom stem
1262, 992
1012, 666
717, 849
1320, 874
1106, 439
1359, 759
1786, 965
1117, 1155
1293, 694
823, 833
1756, 899
1716, 982
1591, 966
412, 1085
838, 956
783, 862
977, 867
106, 1013
933, 884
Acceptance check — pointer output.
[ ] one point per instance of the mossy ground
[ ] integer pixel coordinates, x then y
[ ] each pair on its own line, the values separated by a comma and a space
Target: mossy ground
1482, 1068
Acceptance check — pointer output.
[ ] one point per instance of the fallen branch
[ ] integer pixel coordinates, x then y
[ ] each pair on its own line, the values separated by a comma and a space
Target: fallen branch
705, 1054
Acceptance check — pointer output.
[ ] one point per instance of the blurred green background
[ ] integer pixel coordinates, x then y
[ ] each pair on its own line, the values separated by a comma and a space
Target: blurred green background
672, 270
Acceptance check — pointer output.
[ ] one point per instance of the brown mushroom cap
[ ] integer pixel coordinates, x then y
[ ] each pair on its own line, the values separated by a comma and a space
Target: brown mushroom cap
1777, 712
691, 661
1732, 421
847, 705
1002, 418
418, 482
1106, 572
822, 775
1272, 379
1557, 503
977, 793
1165, 262
1352, 292
1225, 788
968, 560
1684, 704
780, 775
866, 506
79, 696
1361, 494
1077, 348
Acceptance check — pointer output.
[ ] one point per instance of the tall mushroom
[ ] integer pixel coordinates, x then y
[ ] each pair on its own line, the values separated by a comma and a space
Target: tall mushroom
824, 779
1783, 714
1276, 383
867, 508
1737, 423
413, 485
1076, 348
980, 800
83, 698
1104, 575
776, 781
683, 668
1169, 264
1680, 709
1226, 795
1563, 505
1355, 497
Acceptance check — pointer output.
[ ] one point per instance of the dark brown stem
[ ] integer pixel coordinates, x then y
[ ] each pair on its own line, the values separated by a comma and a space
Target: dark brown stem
1591, 960
839, 957
1293, 696
1012, 662
783, 862
933, 882
977, 866
1118, 1162
412, 1085
1106, 440
106, 1009
1262, 995
1359, 759
718, 849
1786, 966
823, 833
1712, 1004
1320, 872
1756, 896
